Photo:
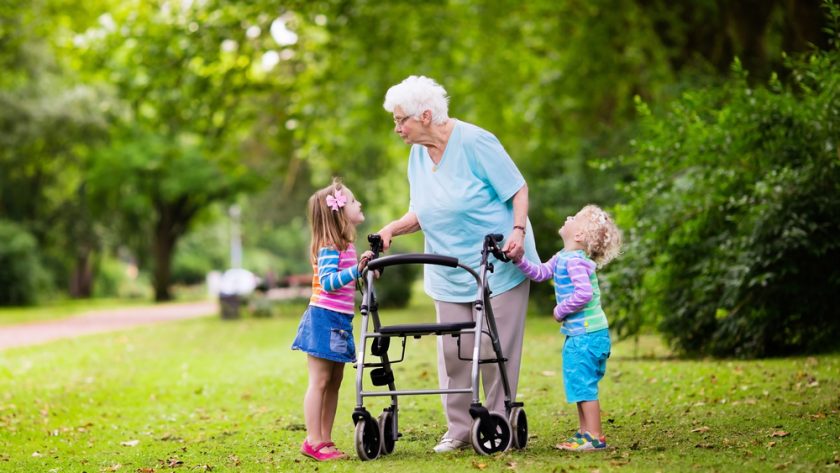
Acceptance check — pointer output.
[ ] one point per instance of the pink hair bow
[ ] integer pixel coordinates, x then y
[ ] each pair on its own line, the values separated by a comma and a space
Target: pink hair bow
336, 201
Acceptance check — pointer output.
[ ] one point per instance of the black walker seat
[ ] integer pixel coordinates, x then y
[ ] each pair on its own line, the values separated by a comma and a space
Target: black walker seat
491, 432
416, 330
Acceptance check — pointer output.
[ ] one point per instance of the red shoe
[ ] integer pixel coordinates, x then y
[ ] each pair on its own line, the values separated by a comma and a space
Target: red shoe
339, 452
314, 451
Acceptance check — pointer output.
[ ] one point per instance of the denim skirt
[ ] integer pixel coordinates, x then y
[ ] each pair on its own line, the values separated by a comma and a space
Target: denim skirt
326, 334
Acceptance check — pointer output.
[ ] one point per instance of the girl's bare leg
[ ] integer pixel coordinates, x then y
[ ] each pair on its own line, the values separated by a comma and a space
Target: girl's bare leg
320, 372
330, 401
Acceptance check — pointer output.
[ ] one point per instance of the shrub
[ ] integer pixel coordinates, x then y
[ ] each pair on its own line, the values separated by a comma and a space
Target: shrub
734, 218
22, 276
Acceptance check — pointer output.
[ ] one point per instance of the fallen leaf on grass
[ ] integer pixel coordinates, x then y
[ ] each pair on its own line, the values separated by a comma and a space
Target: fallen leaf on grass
780, 433
234, 459
479, 465
145, 470
771, 444
701, 429
511, 465
130, 443
113, 467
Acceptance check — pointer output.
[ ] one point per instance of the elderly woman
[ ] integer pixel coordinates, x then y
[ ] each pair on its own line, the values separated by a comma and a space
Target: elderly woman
463, 185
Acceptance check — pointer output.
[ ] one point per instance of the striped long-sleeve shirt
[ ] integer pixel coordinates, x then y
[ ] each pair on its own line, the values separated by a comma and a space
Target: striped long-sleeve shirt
576, 289
333, 275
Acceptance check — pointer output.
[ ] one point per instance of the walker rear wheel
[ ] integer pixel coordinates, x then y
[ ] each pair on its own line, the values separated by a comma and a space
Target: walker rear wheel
490, 436
519, 427
386, 432
368, 441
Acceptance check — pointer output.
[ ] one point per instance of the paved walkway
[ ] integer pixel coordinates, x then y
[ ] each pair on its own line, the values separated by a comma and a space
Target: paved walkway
102, 320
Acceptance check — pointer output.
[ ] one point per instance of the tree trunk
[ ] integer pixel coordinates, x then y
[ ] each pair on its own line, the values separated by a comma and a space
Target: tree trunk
81, 279
173, 220
163, 249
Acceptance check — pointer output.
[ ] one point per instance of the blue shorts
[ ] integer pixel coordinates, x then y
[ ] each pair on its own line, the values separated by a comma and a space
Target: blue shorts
326, 334
584, 364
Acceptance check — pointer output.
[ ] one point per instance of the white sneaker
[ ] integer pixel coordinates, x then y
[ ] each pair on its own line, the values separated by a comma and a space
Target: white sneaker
450, 445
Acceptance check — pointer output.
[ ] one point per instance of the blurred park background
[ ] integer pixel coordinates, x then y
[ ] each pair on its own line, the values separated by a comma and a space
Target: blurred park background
138, 138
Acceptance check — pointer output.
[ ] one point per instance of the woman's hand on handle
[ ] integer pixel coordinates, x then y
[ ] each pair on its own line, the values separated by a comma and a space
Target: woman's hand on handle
385, 234
408, 223
515, 245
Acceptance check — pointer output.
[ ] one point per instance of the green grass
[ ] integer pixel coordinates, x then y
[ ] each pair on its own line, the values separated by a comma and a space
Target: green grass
208, 394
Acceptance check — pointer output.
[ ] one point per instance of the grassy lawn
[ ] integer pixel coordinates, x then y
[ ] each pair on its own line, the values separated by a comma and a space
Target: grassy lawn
205, 395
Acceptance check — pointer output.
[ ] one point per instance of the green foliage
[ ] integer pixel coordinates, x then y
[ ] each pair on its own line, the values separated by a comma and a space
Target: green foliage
22, 278
733, 218
116, 279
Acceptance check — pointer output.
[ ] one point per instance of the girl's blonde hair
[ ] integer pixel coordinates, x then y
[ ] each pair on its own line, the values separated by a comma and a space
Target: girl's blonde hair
602, 238
329, 228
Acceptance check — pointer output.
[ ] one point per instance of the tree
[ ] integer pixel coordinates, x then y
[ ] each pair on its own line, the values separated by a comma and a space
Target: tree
193, 80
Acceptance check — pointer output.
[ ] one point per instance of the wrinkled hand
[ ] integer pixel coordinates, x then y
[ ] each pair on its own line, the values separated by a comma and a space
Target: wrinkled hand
386, 236
515, 246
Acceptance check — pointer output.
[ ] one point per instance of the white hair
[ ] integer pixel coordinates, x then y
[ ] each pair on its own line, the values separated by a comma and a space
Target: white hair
417, 94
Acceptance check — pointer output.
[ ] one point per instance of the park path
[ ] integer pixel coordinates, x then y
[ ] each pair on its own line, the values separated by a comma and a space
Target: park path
102, 320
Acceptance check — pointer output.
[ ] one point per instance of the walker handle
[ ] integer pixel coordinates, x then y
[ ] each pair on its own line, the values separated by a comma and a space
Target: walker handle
413, 258
491, 243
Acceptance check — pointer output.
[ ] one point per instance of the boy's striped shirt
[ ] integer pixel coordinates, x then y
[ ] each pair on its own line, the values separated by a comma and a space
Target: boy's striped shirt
333, 275
576, 289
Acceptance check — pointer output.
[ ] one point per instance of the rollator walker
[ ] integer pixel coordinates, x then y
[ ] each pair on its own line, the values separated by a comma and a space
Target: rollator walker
491, 432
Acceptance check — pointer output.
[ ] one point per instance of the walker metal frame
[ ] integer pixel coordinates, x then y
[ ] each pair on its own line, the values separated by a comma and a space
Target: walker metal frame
491, 432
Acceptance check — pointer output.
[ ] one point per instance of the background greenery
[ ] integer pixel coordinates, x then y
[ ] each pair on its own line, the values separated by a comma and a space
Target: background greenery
127, 129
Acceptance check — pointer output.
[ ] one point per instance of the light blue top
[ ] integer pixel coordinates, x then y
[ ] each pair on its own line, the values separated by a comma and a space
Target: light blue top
459, 201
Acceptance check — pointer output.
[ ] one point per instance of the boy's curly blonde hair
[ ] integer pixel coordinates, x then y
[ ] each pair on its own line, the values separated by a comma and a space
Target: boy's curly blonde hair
602, 238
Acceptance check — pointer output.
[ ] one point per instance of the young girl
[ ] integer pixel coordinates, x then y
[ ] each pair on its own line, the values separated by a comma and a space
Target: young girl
325, 333
590, 239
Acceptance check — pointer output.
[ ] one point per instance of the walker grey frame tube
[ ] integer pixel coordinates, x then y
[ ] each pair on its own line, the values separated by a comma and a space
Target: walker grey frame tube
366, 309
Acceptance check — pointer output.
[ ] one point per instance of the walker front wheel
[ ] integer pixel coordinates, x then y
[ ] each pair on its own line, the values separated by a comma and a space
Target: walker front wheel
368, 441
519, 427
491, 435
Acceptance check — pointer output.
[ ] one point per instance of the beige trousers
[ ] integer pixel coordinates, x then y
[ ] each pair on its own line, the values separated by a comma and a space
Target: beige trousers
509, 310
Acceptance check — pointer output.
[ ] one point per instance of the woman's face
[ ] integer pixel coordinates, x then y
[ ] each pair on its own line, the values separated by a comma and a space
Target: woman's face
405, 125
